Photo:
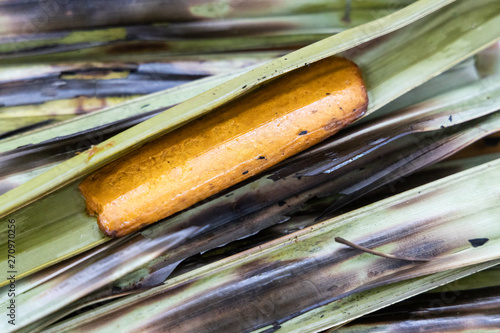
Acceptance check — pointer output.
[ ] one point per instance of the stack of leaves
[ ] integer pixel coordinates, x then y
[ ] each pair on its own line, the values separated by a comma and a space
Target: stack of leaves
61, 60
413, 186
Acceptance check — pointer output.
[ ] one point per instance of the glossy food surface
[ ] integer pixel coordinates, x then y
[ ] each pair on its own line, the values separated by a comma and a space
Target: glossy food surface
232, 143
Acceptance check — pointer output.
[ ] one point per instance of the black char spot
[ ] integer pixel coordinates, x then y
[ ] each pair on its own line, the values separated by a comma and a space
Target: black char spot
303, 133
245, 172
450, 118
144, 106
281, 203
477, 242
491, 142
261, 157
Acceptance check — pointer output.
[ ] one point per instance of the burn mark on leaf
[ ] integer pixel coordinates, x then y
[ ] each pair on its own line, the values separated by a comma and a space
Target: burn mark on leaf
258, 267
303, 133
491, 142
236, 208
477, 242
244, 173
